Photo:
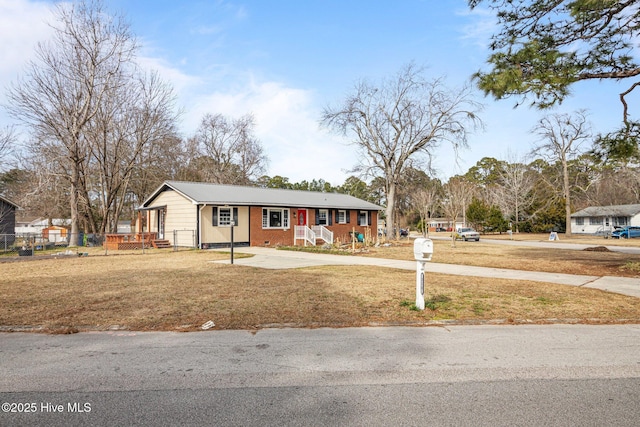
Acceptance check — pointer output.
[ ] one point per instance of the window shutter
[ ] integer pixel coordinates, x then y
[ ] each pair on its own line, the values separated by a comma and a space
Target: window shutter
348, 216
317, 216
235, 217
330, 214
215, 216
369, 217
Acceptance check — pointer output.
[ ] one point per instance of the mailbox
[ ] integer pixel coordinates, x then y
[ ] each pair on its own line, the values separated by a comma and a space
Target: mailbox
422, 249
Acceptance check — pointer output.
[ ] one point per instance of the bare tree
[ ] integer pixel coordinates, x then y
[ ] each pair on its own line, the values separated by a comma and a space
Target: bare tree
457, 195
515, 184
231, 153
426, 199
137, 114
560, 138
64, 87
7, 143
402, 119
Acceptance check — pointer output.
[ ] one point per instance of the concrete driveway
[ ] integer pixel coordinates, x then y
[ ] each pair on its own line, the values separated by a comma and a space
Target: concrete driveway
282, 259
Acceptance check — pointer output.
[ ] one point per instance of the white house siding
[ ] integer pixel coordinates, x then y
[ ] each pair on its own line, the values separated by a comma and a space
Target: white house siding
181, 215
211, 234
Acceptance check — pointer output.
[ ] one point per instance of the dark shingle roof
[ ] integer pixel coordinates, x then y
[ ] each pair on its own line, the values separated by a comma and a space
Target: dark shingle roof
235, 195
613, 210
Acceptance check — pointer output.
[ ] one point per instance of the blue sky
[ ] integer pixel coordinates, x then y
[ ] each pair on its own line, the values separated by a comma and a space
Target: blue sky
284, 61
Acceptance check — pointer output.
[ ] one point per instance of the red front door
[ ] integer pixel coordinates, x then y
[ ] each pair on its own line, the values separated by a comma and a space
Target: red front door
302, 217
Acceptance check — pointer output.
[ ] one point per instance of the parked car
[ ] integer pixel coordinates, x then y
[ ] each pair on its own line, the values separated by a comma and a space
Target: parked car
626, 232
467, 234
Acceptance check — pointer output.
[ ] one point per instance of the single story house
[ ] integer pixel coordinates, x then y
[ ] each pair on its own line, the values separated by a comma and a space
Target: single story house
201, 215
604, 219
37, 225
7, 216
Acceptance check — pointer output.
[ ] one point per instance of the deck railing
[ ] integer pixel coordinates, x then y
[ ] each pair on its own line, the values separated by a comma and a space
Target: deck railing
129, 241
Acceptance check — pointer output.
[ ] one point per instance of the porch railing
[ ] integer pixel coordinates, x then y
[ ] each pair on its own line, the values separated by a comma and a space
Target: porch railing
302, 232
323, 232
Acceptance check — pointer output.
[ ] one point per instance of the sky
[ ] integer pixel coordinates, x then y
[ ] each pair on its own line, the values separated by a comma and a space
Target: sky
284, 61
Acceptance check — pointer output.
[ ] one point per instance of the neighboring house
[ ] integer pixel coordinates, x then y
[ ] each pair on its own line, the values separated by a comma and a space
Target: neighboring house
262, 217
37, 225
7, 221
604, 219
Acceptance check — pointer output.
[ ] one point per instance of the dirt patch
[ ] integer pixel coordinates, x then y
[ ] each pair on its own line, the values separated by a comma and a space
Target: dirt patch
597, 249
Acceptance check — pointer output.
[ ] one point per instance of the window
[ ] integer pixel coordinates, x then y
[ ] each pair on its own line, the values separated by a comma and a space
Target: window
363, 218
620, 221
275, 218
342, 217
224, 217
579, 221
323, 217
595, 220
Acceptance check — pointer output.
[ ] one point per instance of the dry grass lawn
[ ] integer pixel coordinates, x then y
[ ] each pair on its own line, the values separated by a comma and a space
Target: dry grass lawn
164, 290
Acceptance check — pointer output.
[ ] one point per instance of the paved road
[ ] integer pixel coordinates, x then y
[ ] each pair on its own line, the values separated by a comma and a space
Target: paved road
557, 375
281, 259
554, 244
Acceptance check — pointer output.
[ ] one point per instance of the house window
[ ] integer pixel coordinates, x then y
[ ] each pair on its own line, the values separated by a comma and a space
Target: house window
323, 217
579, 221
363, 218
342, 217
275, 218
224, 217
595, 220
620, 221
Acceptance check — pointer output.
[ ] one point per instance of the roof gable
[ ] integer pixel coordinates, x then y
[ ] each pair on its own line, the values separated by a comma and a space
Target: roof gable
235, 195
9, 202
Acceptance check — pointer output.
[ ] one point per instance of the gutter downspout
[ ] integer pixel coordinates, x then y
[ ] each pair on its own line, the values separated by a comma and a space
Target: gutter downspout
200, 226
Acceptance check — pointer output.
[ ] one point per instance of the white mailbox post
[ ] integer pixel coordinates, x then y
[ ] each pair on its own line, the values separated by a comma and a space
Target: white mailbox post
422, 251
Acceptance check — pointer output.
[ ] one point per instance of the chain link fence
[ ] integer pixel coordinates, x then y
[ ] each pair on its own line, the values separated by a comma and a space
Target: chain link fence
83, 244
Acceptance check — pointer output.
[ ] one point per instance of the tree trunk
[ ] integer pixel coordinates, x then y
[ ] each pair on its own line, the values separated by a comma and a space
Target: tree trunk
390, 210
567, 198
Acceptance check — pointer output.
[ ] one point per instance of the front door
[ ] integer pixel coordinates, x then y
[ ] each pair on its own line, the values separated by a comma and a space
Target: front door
302, 217
161, 214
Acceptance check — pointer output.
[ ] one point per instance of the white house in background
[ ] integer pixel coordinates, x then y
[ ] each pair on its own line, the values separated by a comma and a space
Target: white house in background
604, 219
36, 226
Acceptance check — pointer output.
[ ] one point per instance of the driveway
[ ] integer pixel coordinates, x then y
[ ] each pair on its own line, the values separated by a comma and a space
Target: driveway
282, 259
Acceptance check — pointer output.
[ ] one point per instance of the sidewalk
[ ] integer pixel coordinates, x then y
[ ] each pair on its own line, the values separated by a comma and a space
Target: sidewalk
281, 259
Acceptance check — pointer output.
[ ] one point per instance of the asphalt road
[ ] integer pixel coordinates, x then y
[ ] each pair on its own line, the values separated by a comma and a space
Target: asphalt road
565, 375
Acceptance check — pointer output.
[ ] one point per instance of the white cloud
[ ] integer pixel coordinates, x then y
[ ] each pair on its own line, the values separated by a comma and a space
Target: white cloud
287, 124
22, 25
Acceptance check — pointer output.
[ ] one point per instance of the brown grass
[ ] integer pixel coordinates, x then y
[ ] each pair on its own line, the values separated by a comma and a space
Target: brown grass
164, 290
592, 263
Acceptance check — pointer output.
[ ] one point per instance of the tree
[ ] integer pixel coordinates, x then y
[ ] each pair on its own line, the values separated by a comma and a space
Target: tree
233, 155
477, 214
561, 136
457, 195
425, 200
543, 47
137, 114
401, 122
515, 183
7, 141
64, 87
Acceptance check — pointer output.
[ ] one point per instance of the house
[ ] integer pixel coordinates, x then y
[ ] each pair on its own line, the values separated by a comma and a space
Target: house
37, 225
7, 216
603, 219
201, 214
